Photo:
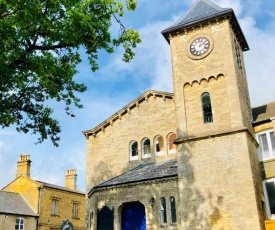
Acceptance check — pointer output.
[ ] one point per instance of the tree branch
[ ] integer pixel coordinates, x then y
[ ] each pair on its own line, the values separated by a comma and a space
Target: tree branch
2, 16
52, 47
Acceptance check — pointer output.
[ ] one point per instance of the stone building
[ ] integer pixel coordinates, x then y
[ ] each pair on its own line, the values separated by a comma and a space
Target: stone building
51, 204
264, 128
188, 159
15, 212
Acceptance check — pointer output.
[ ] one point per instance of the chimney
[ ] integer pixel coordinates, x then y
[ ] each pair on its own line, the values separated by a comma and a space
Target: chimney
70, 179
23, 166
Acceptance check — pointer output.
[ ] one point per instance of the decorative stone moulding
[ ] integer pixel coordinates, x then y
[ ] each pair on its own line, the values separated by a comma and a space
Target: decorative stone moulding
127, 110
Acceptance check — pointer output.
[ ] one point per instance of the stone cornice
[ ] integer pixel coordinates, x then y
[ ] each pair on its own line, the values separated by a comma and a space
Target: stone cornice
126, 110
185, 139
214, 20
132, 184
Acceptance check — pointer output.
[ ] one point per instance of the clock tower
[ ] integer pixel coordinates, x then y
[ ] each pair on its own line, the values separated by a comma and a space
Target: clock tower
218, 170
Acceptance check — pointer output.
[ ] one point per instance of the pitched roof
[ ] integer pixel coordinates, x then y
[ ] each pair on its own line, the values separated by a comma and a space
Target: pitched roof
41, 183
14, 203
200, 11
204, 11
144, 172
59, 187
126, 109
263, 113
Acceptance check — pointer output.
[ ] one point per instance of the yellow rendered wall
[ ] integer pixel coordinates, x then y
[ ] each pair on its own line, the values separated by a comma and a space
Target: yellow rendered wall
65, 207
27, 188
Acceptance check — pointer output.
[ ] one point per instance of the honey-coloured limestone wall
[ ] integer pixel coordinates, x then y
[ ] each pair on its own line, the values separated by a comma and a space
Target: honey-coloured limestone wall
8, 222
217, 186
108, 152
27, 188
40, 198
231, 94
65, 207
116, 198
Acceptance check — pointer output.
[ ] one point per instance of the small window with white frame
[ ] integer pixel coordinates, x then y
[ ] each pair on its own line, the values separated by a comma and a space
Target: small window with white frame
266, 141
146, 148
171, 146
159, 146
133, 150
269, 192
19, 223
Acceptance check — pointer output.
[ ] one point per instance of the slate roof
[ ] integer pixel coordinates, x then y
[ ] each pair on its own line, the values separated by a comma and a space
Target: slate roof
14, 203
59, 187
144, 172
263, 113
202, 11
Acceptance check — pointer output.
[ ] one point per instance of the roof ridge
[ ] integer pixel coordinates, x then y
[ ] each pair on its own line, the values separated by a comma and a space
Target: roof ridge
271, 102
28, 203
195, 5
126, 109
214, 5
56, 186
26, 177
9, 192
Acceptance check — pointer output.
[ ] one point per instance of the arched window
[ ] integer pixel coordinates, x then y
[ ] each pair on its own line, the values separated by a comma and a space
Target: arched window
206, 108
171, 146
173, 214
146, 148
163, 216
133, 150
159, 146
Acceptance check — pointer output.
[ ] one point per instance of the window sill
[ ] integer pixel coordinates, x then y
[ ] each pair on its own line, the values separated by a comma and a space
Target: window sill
267, 159
134, 158
76, 218
173, 151
159, 153
55, 215
146, 156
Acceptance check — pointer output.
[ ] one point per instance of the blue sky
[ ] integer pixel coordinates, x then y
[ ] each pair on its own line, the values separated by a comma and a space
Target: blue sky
117, 83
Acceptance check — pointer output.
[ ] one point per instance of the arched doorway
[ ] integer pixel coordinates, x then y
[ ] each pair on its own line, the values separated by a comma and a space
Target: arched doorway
133, 217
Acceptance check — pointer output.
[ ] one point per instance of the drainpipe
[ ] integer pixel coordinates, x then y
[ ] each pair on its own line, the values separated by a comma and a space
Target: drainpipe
38, 206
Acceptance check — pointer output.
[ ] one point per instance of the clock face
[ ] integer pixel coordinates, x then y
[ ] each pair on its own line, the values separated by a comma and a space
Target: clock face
199, 46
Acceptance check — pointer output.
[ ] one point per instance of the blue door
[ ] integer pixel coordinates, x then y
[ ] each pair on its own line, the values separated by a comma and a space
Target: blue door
133, 217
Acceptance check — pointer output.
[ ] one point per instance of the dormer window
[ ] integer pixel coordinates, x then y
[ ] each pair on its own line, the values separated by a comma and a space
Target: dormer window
206, 108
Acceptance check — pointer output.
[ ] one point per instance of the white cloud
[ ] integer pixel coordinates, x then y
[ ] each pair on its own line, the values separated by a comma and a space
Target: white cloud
236, 5
259, 61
